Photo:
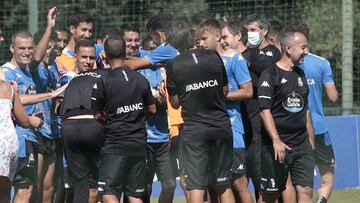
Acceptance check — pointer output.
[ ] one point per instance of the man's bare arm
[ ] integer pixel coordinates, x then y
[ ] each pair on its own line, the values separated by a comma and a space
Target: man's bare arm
279, 146
245, 91
137, 63
174, 101
27, 99
331, 92
150, 111
225, 90
310, 129
41, 47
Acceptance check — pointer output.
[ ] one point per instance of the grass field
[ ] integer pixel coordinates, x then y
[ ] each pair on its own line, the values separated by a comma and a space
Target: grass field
338, 196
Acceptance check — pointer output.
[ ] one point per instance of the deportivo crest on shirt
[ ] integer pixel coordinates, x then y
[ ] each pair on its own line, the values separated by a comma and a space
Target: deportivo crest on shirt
293, 103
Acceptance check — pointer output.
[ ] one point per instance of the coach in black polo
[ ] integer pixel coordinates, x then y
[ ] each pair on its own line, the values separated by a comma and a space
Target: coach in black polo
197, 81
282, 95
128, 101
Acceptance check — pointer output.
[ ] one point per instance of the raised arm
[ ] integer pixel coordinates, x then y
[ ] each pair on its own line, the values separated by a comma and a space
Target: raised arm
41, 47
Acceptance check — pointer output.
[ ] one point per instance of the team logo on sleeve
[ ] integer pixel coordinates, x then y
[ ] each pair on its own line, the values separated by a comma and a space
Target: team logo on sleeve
265, 84
293, 103
269, 53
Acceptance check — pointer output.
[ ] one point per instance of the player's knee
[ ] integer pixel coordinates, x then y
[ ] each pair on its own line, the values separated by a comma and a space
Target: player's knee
24, 192
168, 186
240, 184
304, 191
48, 188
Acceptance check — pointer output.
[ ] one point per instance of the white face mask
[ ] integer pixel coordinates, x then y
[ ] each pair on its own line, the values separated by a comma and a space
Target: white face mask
254, 38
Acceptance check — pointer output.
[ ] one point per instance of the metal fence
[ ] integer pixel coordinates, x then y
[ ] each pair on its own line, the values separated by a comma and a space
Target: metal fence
324, 18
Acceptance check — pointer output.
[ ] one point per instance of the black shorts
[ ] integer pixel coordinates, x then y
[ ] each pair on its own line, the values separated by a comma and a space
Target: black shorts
299, 162
26, 170
158, 161
238, 169
45, 146
324, 153
122, 174
253, 163
206, 162
82, 141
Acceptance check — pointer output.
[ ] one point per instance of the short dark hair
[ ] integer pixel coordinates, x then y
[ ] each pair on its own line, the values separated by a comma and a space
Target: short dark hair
275, 28
59, 28
129, 27
109, 31
83, 43
301, 27
80, 17
260, 18
288, 36
38, 35
154, 36
22, 34
179, 35
115, 47
235, 26
159, 22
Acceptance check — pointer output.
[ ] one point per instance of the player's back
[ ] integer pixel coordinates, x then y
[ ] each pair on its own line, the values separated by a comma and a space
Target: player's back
199, 77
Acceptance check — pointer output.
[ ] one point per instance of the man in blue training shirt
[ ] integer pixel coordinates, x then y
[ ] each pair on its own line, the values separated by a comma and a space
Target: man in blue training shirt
26, 59
240, 88
158, 151
45, 82
318, 73
162, 53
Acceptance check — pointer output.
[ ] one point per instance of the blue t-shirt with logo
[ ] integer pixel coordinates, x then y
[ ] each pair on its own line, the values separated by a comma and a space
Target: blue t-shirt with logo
157, 127
45, 81
26, 85
237, 74
318, 73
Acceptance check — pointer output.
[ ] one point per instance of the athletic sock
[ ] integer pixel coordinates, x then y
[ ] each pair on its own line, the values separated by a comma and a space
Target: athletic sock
321, 199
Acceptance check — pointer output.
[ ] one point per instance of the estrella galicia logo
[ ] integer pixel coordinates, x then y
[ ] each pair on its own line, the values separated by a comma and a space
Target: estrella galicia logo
31, 90
293, 103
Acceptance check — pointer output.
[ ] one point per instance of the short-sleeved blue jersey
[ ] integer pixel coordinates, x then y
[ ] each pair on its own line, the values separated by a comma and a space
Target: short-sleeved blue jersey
46, 79
56, 119
157, 127
26, 85
161, 54
237, 74
318, 73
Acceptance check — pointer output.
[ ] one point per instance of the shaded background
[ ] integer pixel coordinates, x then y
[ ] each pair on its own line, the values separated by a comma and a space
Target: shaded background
325, 19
